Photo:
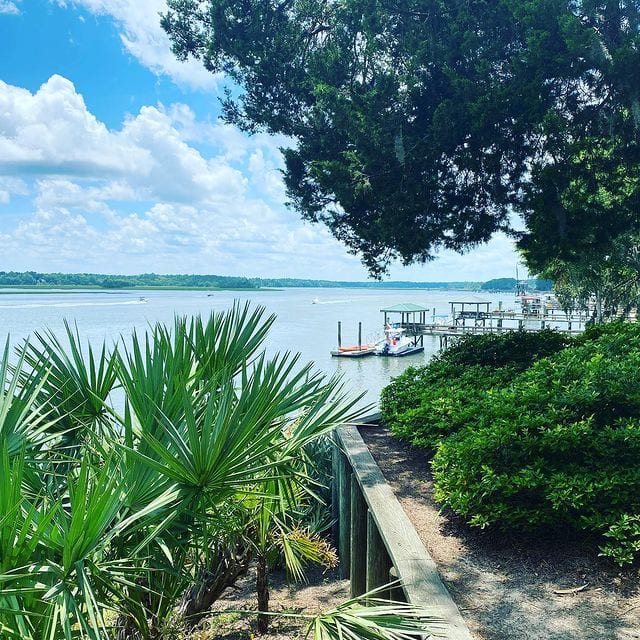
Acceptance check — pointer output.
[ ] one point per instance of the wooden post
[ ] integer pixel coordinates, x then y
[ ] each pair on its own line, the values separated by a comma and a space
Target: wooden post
358, 549
359, 335
378, 563
520, 325
339, 334
397, 592
335, 463
344, 514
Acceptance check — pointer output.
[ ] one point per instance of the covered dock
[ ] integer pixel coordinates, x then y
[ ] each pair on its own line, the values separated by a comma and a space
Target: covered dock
411, 317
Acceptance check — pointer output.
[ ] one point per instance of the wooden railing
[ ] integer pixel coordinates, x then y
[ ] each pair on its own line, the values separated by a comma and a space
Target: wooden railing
377, 543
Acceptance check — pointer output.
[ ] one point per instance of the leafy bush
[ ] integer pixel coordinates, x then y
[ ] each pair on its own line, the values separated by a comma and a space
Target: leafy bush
425, 404
517, 349
559, 446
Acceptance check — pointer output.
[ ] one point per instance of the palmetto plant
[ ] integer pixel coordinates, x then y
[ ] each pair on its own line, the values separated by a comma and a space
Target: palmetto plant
114, 520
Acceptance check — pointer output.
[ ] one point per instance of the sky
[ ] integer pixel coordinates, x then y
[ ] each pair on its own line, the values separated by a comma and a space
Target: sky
113, 159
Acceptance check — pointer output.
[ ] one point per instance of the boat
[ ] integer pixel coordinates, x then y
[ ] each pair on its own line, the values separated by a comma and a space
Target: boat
355, 351
396, 343
538, 304
315, 301
142, 299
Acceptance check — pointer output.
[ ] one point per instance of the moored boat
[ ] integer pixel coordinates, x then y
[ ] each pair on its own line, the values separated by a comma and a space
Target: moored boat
396, 343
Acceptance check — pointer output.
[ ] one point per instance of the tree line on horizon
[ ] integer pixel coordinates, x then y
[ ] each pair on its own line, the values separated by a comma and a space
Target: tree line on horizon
33, 278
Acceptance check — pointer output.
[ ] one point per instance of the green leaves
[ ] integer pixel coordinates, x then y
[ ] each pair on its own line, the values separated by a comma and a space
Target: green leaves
558, 447
419, 125
372, 618
106, 513
425, 405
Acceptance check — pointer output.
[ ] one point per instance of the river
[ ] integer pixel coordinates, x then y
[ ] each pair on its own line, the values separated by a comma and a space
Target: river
310, 329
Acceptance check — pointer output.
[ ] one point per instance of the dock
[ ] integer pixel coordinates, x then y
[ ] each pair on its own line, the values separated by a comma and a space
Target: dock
354, 351
477, 318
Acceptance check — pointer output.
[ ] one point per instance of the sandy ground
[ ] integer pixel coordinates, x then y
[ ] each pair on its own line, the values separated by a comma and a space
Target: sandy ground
505, 585
322, 592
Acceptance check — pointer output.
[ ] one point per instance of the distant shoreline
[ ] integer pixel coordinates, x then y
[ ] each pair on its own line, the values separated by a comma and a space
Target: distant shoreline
34, 281
18, 289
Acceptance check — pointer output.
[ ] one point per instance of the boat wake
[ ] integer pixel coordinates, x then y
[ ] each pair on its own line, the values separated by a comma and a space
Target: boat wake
316, 301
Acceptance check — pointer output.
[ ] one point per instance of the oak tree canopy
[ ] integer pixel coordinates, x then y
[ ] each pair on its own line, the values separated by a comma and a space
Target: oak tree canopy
423, 124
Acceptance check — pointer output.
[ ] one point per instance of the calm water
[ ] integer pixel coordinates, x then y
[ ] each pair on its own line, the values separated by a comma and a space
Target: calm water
301, 326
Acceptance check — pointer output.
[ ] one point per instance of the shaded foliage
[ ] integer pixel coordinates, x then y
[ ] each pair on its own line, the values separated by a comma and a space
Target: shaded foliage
417, 124
556, 447
423, 405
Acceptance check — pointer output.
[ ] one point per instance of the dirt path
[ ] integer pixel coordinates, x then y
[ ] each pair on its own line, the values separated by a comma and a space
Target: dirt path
323, 591
504, 585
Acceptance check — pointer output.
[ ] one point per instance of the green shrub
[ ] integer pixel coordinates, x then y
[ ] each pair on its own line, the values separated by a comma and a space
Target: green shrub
559, 446
425, 404
423, 414
517, 349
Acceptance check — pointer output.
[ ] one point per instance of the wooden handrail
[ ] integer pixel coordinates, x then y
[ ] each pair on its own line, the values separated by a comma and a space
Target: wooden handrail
375, 534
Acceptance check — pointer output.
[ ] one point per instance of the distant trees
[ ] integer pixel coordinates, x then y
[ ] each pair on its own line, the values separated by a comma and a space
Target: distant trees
500, 284
510, 284
31, 278
418, 124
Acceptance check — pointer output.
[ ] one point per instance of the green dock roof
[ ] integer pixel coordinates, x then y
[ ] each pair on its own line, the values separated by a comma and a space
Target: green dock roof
405, 307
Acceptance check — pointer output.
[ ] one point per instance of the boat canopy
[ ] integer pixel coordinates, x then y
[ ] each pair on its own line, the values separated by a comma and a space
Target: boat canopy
406, 307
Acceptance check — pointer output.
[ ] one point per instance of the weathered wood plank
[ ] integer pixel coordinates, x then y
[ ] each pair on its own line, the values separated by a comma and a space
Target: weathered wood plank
344, 514
358, 535
421, 582
335, 463
378, 561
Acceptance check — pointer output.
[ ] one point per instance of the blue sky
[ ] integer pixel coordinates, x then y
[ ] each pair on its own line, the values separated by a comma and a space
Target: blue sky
113, 160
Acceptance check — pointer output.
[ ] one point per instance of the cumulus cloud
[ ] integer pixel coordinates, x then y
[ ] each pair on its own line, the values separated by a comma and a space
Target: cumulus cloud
142, 36
10, 186
168, 193
10, 7
52, 131
144, 197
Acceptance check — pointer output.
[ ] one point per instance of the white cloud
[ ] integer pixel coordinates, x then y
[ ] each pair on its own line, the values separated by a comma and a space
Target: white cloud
8, 7
179, 172
142, 36
11, 186
143, 198
56, 231
143, 194
265, 175
52, 131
